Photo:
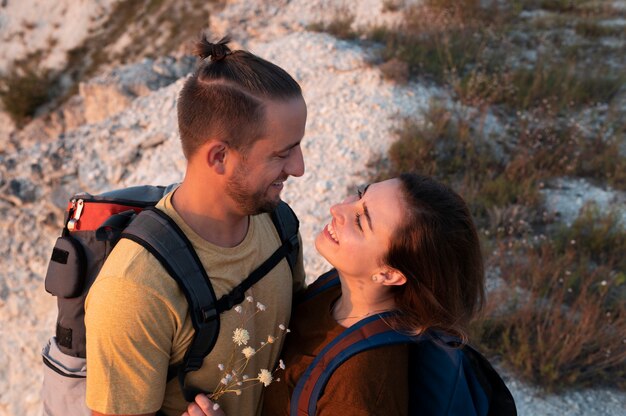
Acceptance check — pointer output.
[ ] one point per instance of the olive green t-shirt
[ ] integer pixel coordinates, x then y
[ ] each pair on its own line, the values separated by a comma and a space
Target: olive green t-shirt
138, 324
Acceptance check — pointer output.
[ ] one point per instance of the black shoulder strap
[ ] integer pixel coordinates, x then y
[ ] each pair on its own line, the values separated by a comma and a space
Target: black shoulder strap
287, 224
161, 236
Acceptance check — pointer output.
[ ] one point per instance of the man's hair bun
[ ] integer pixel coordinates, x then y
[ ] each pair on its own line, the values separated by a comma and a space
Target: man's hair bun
217, 51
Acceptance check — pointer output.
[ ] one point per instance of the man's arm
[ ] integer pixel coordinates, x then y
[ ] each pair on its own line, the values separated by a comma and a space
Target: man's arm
129, 338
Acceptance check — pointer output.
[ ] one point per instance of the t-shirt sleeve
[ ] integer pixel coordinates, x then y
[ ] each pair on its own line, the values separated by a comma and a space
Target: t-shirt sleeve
372, 383
129, 337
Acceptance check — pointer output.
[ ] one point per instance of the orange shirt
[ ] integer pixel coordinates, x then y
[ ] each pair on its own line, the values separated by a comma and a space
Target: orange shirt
374, 382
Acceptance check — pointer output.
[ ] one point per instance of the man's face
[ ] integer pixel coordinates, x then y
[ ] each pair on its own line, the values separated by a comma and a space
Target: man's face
257, 179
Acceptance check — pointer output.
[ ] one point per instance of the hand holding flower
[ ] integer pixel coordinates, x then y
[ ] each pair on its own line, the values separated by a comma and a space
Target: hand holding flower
203, 406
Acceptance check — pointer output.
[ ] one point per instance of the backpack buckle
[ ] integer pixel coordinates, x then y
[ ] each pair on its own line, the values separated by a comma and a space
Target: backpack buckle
208, 314
293, 241
77, 207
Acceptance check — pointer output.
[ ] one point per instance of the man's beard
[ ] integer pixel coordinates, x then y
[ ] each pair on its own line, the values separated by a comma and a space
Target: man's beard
251, 203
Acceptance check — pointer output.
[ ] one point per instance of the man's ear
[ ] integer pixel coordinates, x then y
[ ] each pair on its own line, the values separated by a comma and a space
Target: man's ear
215, 154
391, 277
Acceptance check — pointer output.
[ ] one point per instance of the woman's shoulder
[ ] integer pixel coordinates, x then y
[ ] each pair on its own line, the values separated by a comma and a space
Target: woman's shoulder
376, 361
372, 382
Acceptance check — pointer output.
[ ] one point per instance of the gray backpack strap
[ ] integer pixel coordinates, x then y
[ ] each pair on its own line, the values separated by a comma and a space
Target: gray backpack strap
161, 236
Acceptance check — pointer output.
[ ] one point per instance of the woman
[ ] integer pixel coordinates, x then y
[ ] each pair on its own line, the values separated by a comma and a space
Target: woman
405, 249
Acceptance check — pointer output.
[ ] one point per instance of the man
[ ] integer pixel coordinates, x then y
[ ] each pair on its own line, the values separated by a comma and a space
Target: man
241, 121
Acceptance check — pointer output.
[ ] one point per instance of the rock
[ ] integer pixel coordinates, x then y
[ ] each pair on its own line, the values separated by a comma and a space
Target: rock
109, 94
24, 189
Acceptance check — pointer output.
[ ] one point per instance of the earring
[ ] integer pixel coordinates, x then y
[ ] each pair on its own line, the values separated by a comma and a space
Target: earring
374, 278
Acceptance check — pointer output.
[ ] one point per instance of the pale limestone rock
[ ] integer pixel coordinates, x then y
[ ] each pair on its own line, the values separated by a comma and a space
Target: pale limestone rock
103, 101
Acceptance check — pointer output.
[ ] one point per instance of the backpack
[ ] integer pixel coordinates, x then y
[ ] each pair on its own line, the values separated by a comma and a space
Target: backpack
93, 225
446, 377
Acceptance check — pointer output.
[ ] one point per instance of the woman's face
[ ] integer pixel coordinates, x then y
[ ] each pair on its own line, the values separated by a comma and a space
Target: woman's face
360, 231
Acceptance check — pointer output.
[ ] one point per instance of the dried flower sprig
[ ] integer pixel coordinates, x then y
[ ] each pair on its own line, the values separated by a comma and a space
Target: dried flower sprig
233, 378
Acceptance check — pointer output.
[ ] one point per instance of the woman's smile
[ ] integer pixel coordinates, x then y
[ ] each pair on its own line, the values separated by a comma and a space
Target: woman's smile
329, 231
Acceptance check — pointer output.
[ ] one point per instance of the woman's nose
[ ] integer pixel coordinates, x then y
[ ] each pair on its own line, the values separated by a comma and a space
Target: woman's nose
338, 211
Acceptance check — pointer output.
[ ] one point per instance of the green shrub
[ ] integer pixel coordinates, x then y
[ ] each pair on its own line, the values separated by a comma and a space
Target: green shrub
593, 29
431, 45
565, 325
341, 26
568, 85
24, 89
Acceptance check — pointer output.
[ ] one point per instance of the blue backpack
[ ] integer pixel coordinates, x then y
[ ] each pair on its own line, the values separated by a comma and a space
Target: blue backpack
446, 377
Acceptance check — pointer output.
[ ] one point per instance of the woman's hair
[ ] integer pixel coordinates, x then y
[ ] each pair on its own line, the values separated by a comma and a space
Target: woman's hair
438, 250
224, 97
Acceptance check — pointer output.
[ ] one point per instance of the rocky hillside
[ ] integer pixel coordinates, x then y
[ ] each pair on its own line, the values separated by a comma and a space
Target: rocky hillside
119, 129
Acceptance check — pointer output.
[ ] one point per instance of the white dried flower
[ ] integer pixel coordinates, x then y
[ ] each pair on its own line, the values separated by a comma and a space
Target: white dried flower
281, 364
216, 406
245, 377
265, 377
224, 381
241, 336
238, 308
238, 392
250, 299
270, 339
248, 352
221, 367
282, 327
260, 306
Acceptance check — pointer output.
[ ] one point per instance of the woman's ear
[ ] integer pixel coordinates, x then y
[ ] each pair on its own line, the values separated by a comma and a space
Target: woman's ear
391, 277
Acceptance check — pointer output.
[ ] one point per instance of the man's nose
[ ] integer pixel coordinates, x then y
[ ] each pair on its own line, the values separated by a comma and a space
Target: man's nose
295, 162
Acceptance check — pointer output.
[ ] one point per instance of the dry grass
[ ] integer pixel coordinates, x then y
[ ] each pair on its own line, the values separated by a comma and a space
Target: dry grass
565, 325
25, 89
160, 28
341, 26
559, 320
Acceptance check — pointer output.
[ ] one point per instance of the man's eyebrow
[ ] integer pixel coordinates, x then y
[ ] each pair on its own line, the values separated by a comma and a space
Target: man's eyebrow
288, 147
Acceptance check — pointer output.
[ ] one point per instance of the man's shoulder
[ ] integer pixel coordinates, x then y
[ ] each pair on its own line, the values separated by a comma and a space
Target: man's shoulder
131, 264
265, 220
126, 258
